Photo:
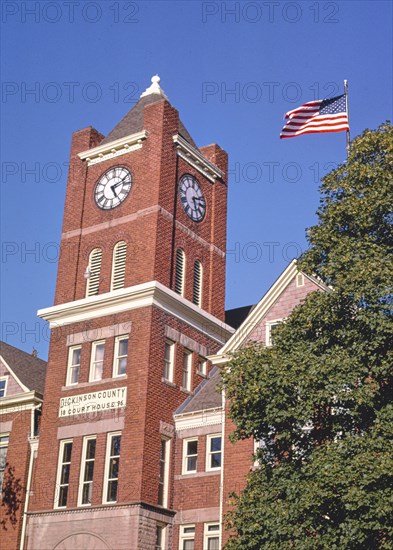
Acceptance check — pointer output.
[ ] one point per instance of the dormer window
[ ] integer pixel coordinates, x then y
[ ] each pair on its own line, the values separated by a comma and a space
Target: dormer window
3, 386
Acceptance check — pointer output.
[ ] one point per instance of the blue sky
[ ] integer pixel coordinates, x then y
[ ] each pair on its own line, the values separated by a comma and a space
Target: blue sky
232, 69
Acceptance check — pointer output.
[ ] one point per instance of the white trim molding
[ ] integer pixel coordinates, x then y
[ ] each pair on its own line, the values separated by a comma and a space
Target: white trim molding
148, 294
195, 159
198, 419
116, 148
19, 402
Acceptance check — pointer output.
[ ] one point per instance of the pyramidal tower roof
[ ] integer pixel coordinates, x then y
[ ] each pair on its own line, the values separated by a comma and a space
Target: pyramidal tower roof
133, 121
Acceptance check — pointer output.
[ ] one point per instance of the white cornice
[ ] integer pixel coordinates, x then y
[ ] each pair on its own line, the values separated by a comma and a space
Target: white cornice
19, 402
196, 159
259, 311
198, 419
253, 319
114, 148
143, 295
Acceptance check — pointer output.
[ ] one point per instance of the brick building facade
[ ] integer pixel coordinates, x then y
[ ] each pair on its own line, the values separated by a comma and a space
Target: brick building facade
133, 445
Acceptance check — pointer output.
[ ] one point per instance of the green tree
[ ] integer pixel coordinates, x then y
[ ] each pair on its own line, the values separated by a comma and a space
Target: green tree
320, 400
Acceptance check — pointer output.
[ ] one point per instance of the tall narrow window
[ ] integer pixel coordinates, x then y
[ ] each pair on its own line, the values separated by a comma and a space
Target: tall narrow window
87, 471
97, 360
4, 438
160, 537
112, 467
211, 536
93, 272
169, 360
197, 292
179, 271
202, 365
119, 265
190, 456
121, 355
187, 364
164, 472
63, 473
213, 452
74, 365
187, 537
271, 326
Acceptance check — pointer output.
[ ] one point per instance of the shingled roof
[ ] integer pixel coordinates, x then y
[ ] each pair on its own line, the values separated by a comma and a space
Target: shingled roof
133, 121
29, 370
205, 396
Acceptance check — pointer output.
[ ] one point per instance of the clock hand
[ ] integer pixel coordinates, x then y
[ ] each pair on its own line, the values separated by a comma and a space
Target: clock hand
117, 185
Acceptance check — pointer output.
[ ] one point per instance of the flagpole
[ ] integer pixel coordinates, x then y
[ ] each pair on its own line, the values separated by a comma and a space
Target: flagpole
346, 107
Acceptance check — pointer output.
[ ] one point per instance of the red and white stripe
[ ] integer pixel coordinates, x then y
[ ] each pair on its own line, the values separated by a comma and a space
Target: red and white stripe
307, 120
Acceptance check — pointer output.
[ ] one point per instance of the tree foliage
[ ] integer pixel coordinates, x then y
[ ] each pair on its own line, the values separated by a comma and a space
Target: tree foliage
320, 399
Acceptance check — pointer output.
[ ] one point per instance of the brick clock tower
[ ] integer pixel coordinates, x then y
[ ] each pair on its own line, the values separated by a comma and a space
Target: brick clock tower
139, 306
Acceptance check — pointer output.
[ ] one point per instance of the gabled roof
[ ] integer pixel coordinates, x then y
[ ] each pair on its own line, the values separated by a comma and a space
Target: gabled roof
133, 121
260, 310
28, 370
205, 396
235, 317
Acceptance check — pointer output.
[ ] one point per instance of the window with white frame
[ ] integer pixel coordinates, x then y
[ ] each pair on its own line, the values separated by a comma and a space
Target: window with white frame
63, 473
271, 326
160, 536
187, 537
179, 271
4, 439
119, 265
211, 536
187, 370
164, 472
202, 365
97, 360
74, 365
169, 357
121, 355
197, 289
112, 462
87, 471
213, 452
93, 271
3, 386
190, 456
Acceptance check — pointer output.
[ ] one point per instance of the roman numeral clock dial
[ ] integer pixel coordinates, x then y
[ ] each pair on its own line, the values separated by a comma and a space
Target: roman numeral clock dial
113, 187
191, 198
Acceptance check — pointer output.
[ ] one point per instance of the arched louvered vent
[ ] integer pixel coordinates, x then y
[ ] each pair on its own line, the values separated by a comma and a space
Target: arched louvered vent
119, 265
93, 272
197, 292
179, 274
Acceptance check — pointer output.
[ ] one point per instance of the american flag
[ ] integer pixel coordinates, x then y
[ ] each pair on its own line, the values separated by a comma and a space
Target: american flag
314, 117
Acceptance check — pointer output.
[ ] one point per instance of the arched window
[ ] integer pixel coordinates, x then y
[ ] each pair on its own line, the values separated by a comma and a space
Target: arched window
119, 265
179, 272
92, 272
197, 292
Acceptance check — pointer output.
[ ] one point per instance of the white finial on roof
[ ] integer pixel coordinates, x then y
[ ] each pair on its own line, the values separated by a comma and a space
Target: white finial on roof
154, 88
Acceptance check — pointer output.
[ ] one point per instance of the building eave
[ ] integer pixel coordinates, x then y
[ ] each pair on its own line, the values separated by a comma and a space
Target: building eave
147, 294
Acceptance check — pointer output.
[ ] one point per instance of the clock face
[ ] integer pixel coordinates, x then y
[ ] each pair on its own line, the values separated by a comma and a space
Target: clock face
113, 187
191, 197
